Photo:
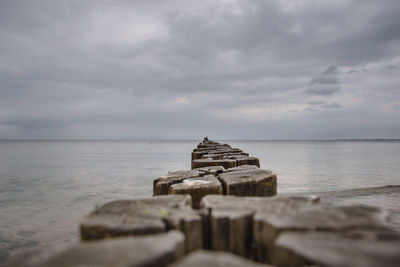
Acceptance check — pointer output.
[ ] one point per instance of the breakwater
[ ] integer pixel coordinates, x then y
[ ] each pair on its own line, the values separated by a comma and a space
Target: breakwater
284, 231
218, 169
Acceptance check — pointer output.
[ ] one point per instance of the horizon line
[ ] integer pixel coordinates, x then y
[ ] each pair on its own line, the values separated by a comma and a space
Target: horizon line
183, 139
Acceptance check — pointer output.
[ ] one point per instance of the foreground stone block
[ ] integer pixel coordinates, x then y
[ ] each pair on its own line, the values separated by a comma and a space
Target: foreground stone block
333, 249
270, 222
226, 163
278, 205
143, 217
162, 184
260, 221
231, 230
231, 219
203, 258
155, 250
197, 188
249, 182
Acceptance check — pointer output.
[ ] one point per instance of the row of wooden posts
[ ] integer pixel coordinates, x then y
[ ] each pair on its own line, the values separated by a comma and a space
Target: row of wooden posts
225, 212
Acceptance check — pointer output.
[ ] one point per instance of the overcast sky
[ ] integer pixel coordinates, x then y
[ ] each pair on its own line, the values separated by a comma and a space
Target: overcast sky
289, 69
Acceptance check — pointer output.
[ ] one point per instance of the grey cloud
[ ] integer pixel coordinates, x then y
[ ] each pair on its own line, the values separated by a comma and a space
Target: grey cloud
330, 70
61, 68
323, 88
326, 83
323, 104
356, 70
332, 105
316, 103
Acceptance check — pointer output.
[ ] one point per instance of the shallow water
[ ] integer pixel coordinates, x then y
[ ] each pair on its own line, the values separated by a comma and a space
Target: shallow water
386, 197
46, 187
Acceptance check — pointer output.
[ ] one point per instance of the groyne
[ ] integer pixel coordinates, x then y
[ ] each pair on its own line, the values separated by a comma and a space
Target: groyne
225, 210
218, 169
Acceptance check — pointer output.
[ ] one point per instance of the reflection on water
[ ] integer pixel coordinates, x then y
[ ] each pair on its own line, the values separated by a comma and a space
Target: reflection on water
47, 187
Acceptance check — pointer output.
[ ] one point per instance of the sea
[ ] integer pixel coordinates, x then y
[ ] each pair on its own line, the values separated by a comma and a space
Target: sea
47, 187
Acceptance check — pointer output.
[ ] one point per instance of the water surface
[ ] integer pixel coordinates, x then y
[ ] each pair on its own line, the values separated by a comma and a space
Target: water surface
46, 187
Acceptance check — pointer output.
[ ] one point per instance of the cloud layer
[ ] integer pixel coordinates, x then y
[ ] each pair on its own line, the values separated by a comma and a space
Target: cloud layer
185, 69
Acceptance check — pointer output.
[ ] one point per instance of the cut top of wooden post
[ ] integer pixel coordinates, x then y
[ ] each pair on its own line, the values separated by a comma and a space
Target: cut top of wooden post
279, 205
154, 250
335, 249
137, 217
249, 182
197, 188
162, 184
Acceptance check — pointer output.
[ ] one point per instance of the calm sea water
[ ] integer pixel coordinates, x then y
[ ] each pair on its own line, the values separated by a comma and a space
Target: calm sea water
46, 187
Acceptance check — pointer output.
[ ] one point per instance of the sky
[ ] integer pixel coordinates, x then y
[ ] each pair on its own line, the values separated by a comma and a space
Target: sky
181, 69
